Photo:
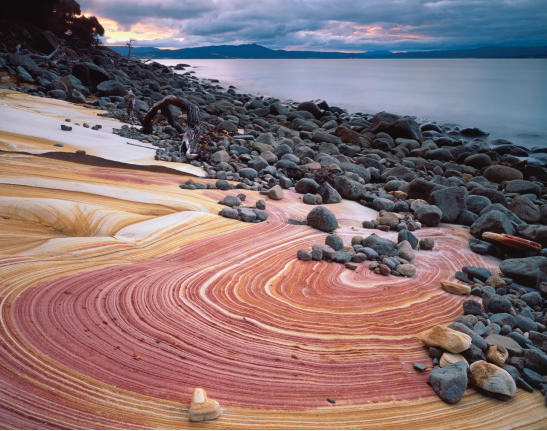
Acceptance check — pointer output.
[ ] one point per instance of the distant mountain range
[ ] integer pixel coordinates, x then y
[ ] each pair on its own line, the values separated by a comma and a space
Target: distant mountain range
260, 52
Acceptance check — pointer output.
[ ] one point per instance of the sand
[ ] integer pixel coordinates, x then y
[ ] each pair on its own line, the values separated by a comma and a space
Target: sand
120, 293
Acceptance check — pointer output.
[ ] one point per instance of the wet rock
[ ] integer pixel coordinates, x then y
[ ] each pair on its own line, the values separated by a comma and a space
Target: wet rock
323, 219
476, 204
530, 271
525, 209
328, 252
380, 245
492, 378
111, 88
335, 242
500, 173
306, 185
395, 126
532, 378
429, 215
380, 204
477, 272
535, 361
522, 187
495, 303
406, 235
449, 382
451, 201
493, 221
446, 338
328, 194
534, 233
472, 307
525, 324
349, 189
476, 339
478, 161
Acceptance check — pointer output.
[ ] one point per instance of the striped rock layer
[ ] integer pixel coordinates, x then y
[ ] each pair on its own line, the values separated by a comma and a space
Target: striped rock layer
120, 293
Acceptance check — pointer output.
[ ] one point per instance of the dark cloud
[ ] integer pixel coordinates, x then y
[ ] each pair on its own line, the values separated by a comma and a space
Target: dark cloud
357, 25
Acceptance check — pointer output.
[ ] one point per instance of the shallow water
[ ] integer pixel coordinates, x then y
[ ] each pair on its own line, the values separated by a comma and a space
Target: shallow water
506, 97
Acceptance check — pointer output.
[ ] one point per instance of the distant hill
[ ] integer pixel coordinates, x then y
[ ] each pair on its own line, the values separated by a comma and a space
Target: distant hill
122, 49
254, 51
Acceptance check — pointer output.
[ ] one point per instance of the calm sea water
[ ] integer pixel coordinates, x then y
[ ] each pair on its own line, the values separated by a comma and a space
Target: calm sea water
507, 97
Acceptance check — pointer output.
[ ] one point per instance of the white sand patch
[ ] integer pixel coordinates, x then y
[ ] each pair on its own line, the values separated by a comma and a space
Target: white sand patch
42, 119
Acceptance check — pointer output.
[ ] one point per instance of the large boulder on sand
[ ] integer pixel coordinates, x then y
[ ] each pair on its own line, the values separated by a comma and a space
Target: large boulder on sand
323, 219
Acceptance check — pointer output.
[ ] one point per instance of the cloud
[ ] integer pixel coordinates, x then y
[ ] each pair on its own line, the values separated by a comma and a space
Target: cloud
356, 25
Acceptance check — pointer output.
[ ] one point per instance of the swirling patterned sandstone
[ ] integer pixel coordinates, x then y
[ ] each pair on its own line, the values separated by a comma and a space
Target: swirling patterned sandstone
267, 336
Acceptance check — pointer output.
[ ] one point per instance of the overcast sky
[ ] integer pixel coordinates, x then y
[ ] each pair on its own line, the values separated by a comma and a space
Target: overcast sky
324, 25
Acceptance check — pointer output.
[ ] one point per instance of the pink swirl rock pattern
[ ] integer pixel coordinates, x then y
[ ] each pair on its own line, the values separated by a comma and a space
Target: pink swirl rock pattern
118, 331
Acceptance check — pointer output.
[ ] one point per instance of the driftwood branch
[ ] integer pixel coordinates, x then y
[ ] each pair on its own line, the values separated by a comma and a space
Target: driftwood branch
47, 57
192, 132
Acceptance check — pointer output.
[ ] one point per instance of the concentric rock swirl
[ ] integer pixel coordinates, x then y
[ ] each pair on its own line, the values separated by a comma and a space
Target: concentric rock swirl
136, 292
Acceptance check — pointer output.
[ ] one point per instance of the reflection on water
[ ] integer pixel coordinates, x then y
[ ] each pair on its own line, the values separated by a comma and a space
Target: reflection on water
507, 97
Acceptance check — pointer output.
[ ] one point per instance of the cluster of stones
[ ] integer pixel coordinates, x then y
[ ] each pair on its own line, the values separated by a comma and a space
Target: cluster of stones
234, 210
497, 346
437, 173
388, 257
66, 128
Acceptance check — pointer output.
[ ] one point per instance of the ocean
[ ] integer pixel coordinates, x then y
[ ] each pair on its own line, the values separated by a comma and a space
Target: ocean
506, 97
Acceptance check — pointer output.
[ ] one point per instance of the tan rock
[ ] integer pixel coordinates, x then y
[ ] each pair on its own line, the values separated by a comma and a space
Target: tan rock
446, 338
497, 355
356, 240
496, 282
451, 358
492, 378
203, 408
275, 193
405, 251
389, 219
455, 288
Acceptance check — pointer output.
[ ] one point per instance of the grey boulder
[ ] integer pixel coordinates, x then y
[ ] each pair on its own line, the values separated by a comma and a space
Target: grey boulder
451, 202
529, 271
323, 219
449, 382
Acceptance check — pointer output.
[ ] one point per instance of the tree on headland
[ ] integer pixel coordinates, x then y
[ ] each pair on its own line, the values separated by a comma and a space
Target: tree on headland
61, 17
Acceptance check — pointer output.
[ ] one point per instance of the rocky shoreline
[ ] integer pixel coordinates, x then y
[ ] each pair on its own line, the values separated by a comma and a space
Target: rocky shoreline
416, 175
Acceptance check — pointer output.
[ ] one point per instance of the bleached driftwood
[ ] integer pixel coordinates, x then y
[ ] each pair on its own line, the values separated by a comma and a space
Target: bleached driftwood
191, 132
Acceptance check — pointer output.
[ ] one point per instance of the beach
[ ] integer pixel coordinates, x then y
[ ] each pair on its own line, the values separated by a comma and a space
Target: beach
127, 281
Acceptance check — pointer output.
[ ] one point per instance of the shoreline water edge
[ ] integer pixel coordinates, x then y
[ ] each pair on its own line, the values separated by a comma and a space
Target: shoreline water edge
407, 174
